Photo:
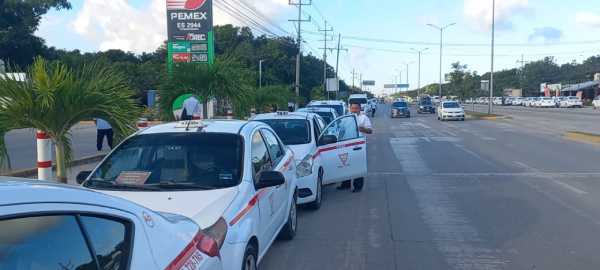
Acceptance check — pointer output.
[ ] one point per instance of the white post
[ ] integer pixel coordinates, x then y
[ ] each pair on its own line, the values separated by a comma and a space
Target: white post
44, 155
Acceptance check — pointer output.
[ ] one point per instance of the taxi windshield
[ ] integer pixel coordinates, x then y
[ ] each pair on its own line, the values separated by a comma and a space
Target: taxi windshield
451, 105
400, 104
290, 131
173, 161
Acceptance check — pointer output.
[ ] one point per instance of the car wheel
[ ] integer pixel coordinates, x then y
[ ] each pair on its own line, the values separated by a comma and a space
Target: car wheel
250, 258
439, 118
316, 204
288, 232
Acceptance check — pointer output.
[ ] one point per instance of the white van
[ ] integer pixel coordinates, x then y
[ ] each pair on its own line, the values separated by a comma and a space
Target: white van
362, 99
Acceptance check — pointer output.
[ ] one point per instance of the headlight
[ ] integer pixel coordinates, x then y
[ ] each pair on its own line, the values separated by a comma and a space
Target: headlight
305, 167
421, 107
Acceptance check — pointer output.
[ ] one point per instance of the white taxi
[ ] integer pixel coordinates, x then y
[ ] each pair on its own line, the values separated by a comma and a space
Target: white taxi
324, 154
46, 225
339, 106
234, 178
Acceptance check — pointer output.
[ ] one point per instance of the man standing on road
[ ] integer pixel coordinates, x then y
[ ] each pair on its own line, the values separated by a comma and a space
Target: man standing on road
365, 127
191, 106
103, 129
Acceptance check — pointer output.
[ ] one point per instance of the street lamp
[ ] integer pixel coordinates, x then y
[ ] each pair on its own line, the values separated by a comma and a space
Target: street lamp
260, 73
492, 67
441, 29
419, 76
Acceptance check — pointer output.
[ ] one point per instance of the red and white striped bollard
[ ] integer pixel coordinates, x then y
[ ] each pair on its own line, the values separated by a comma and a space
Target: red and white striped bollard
44, 155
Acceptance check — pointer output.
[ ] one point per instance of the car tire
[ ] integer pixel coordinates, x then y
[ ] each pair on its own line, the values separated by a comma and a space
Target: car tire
316, 204
288, 232
250, 261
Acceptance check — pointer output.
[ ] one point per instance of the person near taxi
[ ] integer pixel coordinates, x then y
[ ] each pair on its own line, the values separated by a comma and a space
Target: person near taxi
364, 127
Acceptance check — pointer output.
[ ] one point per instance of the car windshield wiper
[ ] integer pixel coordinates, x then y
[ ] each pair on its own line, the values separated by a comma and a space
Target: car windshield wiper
100, 183
181, 185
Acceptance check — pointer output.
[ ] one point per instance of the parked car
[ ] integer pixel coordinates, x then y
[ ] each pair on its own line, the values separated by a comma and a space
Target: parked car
450, 110
508, 101
300, 131
235, 179
546, 102
339, 106
45, 225
596, 103
360, 99
517, 101
328, 114
400, 109
497, 101
571, 102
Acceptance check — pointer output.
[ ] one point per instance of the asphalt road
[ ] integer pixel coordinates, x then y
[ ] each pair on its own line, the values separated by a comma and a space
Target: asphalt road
457, 195
22, 145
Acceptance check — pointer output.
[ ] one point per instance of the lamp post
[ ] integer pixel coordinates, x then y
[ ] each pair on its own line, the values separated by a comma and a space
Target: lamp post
419, 76
492, 67
260, 73
441, 29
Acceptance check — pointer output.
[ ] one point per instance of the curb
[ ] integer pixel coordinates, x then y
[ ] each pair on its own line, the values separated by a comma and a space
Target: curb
583, 137
484, 116
33, 171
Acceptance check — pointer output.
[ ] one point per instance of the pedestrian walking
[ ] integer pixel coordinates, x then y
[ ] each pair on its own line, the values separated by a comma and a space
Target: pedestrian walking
104, 129
364, 127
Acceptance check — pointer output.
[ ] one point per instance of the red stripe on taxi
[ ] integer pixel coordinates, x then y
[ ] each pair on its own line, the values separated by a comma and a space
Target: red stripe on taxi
326, 149
248, 207
188, 256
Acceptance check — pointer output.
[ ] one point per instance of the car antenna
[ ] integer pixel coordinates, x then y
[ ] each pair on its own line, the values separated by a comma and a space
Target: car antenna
187, 126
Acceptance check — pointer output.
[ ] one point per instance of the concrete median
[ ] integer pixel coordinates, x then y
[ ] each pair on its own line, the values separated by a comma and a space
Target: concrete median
32, 172
583, 137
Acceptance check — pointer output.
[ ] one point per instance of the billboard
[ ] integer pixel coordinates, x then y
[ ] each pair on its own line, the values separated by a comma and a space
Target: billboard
190, 31
402, 85
333, 85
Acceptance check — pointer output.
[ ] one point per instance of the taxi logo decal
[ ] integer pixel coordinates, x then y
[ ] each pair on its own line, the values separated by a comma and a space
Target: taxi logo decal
344, 159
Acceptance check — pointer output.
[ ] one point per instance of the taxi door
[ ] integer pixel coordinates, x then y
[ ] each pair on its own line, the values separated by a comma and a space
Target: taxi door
342, 150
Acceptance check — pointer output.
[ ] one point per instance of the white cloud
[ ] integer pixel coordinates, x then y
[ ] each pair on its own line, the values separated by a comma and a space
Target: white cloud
588, 19
116, 24
479, 12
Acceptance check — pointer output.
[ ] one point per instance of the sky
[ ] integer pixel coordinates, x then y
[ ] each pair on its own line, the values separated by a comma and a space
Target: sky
379, 35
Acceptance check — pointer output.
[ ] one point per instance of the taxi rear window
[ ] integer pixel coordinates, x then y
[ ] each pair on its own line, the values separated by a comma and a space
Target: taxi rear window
170, 161
290, 131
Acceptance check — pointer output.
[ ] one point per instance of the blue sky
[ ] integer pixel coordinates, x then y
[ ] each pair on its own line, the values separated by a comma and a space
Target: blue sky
534, 28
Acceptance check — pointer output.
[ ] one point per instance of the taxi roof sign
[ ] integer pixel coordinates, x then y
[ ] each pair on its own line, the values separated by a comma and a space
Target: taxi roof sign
190, 124
282, 113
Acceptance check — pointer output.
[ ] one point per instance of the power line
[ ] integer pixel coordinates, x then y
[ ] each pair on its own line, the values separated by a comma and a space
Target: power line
261, 16
379, 40
244, 19
231, 7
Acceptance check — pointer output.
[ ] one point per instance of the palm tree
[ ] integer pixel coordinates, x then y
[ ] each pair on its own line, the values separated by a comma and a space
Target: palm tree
225, 79
54, 98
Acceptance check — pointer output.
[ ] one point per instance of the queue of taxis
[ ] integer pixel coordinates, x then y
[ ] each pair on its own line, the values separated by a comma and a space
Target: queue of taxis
203, 195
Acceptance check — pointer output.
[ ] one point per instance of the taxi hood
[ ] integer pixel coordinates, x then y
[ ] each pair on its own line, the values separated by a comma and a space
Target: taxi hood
205, 207
300, 151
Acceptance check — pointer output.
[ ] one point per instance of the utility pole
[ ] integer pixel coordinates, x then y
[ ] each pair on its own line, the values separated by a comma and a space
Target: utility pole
325, 33
353, 76
419, 76
299, 4
522, 62
492, 66
260, 73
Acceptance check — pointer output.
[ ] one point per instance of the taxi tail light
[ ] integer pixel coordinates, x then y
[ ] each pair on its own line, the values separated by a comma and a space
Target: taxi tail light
211, 239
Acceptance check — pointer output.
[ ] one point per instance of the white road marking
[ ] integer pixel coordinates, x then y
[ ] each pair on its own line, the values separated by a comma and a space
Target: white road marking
475, 155
569, 187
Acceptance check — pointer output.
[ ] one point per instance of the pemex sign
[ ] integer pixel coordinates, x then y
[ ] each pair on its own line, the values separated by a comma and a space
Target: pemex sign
190, 31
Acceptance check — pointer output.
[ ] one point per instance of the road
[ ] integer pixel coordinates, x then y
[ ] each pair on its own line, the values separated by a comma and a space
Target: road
457, 195
22, 145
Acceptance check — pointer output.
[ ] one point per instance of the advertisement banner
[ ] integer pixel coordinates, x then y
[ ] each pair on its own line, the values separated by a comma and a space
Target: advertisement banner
368, 83
182, 57
189, 20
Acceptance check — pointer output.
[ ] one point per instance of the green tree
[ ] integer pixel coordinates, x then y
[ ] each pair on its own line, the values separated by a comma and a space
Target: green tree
54, 98
268, 97
226, 79
18, 22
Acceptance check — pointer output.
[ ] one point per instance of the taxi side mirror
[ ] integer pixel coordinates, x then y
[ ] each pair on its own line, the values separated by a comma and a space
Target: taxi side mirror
81, 176
270, 179
327, 139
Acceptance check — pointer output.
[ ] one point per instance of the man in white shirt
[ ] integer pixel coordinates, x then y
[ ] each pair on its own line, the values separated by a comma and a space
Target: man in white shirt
104, 129
364, 127
191, 106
